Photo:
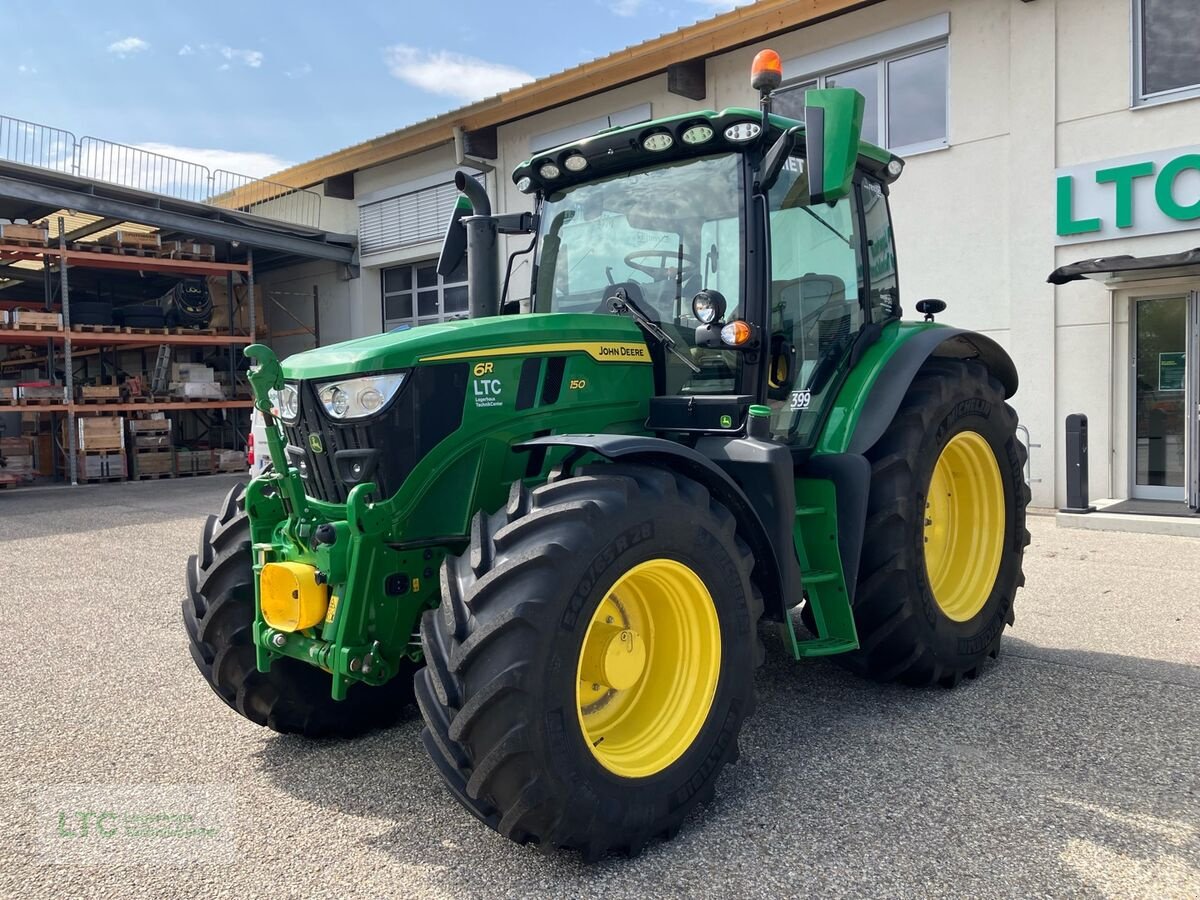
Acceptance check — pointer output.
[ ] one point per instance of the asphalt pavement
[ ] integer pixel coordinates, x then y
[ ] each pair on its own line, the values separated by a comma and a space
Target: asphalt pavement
1071, 767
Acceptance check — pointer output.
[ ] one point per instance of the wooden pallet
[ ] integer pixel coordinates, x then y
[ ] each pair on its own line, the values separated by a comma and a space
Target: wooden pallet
31, 327
98, 329
99, 479
29, 401
167, 330
187, 250
24, 235
150, 252
151, 476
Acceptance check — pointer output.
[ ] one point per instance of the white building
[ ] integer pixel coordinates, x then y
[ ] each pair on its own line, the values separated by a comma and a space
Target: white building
1038, 133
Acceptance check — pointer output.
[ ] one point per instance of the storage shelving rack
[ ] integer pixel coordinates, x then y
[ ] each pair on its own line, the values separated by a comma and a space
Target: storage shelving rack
119, 339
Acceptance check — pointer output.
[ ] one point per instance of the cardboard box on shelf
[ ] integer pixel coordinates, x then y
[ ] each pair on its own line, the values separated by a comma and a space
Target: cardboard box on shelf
197, 390
191, 372
241, 315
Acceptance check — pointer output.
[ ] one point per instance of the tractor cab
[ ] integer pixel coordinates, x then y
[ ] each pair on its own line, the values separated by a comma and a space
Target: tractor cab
750, 287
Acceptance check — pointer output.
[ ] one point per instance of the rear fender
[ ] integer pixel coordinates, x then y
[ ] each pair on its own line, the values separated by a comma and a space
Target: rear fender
874, 389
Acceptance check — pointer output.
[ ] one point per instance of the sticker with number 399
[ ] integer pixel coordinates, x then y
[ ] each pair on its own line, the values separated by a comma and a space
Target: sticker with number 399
801, 399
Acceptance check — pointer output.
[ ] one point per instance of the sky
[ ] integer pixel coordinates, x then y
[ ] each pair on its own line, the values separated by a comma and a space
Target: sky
253, 87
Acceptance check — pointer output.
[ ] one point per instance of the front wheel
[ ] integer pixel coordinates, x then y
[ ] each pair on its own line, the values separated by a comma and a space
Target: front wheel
945, 534
591, 664
218, 616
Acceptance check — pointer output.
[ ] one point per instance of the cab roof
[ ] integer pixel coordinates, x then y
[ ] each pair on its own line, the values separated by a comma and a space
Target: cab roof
623, 148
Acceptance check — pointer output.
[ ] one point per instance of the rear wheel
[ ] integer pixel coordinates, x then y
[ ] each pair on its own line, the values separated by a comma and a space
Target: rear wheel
218, 615
591, 664
945, 533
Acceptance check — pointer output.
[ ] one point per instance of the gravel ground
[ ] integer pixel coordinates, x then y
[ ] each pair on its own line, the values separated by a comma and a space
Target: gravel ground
1071, 767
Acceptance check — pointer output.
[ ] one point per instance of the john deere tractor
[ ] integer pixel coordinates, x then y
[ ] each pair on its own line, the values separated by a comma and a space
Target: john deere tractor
559, 524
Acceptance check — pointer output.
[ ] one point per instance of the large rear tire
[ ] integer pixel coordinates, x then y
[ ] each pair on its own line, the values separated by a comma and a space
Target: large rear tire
218, 615
592, 660
945, 533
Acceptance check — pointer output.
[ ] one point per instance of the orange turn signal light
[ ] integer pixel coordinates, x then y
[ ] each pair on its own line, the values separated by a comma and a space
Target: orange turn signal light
737, 333
766, 72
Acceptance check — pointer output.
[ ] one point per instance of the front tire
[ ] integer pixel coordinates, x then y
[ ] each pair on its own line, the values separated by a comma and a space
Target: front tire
591, 663
218, 615
945, 534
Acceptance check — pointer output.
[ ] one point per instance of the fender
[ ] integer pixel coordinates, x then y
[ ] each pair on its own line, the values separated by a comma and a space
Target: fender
776, 583
871, 395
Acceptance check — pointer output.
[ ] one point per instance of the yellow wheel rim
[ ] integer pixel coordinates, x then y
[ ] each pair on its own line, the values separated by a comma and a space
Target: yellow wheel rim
648, 668
964, 526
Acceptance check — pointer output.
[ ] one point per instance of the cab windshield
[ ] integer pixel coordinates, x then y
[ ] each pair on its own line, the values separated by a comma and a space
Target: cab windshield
661, 235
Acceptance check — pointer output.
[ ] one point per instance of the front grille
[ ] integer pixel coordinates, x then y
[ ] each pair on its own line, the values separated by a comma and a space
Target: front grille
385, 447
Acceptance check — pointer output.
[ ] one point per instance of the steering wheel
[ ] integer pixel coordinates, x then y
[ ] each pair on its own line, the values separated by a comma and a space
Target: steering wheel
663, 271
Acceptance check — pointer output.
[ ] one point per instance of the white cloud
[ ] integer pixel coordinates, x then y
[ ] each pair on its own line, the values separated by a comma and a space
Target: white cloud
720, 6
299, 72
452, 74
128, 46
251, 58
244, 162
26, 70
625, 8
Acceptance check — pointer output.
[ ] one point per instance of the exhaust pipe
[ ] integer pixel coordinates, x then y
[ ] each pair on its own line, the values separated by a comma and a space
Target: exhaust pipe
483, 271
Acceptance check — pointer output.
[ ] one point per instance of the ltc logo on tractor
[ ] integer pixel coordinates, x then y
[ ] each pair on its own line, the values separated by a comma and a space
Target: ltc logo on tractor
486, 391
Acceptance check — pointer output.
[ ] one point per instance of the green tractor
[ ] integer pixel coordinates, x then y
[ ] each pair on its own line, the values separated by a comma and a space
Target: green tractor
558, 530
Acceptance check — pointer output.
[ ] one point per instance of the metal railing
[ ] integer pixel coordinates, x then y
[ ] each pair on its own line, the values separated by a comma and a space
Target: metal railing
37, 145
44, 147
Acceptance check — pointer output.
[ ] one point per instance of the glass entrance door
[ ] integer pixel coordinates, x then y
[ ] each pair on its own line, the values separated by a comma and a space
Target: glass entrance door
1164, 371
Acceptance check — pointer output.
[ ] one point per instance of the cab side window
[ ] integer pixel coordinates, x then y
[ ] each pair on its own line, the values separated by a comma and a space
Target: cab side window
881, 253
816, 307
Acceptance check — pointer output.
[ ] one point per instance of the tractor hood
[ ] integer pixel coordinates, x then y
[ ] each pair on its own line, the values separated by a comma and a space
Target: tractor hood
600, 335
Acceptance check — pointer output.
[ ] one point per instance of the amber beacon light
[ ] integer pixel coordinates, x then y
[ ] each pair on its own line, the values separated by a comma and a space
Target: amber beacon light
766, 72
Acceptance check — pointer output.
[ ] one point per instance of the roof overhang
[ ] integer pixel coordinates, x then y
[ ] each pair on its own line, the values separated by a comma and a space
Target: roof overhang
46, 191
1118, 269
737, 28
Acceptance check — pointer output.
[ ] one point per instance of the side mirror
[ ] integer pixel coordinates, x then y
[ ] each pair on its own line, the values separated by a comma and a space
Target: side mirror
454, 244
832, 129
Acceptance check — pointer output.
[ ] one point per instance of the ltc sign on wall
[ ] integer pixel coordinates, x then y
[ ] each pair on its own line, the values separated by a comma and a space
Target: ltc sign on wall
1150, 193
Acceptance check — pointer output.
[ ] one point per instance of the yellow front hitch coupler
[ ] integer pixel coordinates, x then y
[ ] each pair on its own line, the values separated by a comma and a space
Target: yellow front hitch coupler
291, 596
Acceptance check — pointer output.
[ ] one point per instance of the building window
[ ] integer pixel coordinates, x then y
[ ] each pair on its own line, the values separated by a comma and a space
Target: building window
415, 294
1166, 65
906, 94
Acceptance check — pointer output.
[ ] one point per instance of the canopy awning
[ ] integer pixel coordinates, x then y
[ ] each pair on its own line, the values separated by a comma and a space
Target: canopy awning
1127, 268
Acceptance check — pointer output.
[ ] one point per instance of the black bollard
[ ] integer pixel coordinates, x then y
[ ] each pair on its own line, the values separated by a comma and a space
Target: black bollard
1077, 465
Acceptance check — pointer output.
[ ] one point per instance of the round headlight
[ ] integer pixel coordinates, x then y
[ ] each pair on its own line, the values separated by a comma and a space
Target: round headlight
708, 306
895, 167
335, 401
697, 134
287, 402
524, 184
743, 131
657, 142
576, 162
370, 399
549, 171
